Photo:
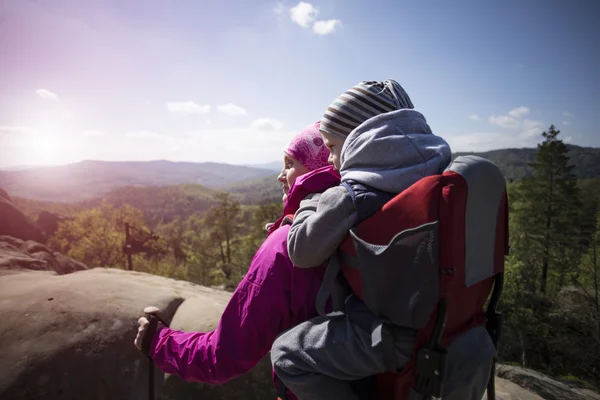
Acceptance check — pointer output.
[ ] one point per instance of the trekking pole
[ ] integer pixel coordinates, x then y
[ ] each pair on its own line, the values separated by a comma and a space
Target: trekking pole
153, 319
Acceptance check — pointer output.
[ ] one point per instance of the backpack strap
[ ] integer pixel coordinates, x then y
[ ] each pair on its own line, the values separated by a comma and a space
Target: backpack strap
329, 281
367, 200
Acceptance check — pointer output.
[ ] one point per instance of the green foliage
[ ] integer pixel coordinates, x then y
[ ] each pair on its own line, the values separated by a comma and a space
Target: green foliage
162, 204
32, 208
96, 236
548, 216
550, 302
254, 191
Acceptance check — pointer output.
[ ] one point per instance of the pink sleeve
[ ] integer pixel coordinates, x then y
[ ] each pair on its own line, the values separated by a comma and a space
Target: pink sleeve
258, 311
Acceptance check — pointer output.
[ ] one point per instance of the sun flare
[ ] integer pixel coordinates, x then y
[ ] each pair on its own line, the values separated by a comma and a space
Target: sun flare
46, 147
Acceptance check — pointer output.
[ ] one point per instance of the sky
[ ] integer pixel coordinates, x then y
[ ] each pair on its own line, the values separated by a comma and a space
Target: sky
232, 81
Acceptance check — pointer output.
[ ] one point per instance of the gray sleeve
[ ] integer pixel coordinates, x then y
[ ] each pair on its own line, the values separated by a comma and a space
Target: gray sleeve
320, 225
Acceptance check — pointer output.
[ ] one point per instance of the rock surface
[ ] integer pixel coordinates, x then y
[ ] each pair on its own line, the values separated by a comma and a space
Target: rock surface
14, 223
18, 254
71, 336
545, 386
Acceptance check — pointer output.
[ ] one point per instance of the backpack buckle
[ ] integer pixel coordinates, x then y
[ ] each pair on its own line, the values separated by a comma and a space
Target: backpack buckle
431, 372
431, 360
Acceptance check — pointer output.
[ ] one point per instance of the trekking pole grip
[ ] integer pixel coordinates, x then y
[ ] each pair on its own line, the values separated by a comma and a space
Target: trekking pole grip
153, 319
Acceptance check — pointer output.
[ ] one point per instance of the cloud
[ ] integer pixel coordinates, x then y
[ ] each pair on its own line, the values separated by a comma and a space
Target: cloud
479, 141
326, 27
474, 117
94, 133
505, 121
201, 145
46, 94
565, 122
518, 112
145, 135
13, 129
266, 124
527, 128
303, 14
232, 110
568, 114
490, 140
252, 145
187, 107
568, 139
513, 121
532, 128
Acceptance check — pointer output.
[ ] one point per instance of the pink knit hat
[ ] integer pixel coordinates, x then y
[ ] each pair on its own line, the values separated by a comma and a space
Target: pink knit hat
308, 148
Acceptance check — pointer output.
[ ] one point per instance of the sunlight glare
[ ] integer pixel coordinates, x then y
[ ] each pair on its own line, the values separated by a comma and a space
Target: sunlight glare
47, 147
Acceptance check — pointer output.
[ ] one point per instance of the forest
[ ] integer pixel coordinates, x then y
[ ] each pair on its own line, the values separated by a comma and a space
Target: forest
551, 302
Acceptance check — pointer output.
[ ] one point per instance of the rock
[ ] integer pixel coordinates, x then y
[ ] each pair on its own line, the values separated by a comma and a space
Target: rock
13, 258
47, 257
506, 390
71, 336
48, 222
18, 254
545, 386
66, 265
16, 224
11, 240
4, 195
31, 247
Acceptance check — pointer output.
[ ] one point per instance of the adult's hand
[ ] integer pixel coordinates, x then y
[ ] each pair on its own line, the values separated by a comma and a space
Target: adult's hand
144, 323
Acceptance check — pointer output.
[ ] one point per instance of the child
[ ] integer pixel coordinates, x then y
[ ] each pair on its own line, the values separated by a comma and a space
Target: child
381, 146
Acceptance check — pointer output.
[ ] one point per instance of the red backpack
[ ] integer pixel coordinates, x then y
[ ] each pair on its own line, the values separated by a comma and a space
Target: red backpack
428, 260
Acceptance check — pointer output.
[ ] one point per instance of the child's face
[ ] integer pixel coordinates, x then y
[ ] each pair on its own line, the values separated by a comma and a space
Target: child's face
292, 169
334, 144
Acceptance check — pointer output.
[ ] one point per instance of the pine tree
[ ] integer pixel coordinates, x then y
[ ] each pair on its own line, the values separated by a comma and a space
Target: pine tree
548, 215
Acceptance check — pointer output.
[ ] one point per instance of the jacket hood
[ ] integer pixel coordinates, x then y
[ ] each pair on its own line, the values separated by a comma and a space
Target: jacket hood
392, 151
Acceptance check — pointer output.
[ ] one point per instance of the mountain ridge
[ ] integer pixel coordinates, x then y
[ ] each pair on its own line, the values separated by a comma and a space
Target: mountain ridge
93, 178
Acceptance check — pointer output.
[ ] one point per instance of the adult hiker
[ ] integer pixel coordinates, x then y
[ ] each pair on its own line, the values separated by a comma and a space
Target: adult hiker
272, 297
379, 227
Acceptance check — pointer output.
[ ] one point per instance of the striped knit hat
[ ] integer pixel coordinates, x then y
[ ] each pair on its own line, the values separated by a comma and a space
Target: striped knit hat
362, 102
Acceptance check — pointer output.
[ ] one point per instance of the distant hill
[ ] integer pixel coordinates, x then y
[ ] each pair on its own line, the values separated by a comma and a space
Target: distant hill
272, 166
253, 191
514, 163
161, 204
90, 179
158, 203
